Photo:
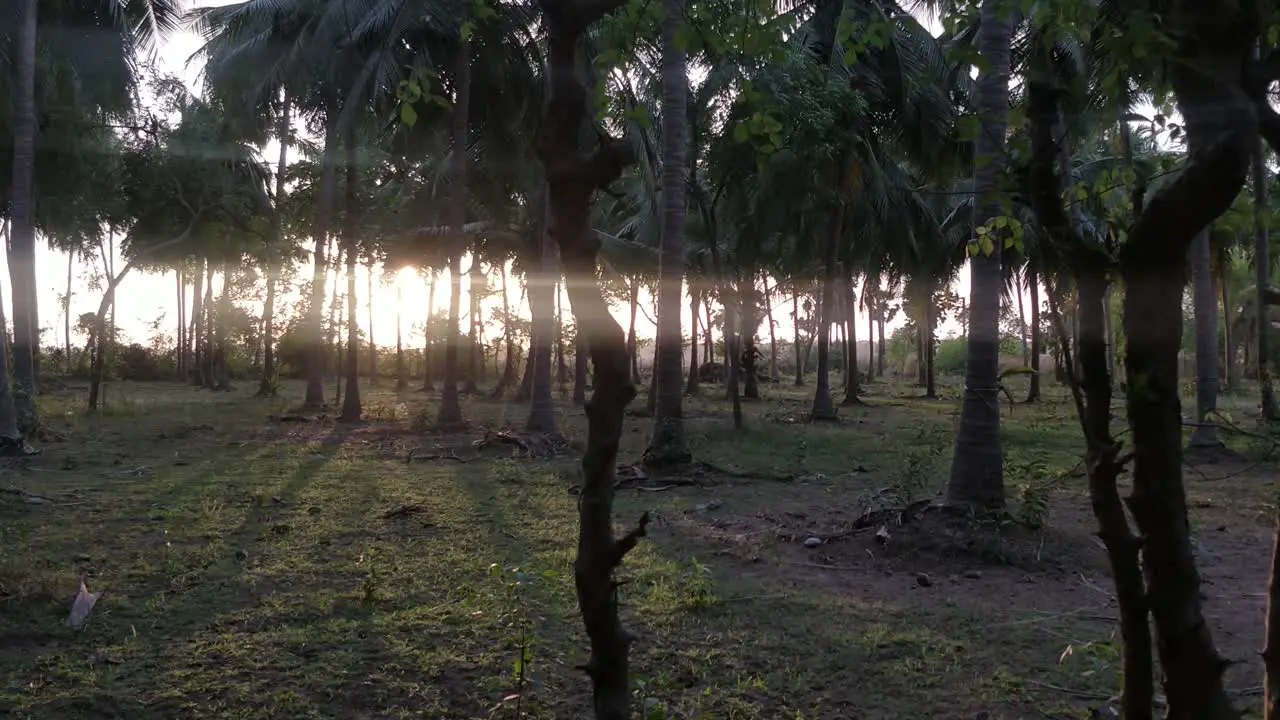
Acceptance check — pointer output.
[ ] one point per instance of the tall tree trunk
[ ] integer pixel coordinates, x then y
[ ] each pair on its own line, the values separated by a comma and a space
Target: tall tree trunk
562, 367
823, 408
572, 178
66, 312
1228, 341
181, 354
632, 345
316, 347
580, 373
402, 381
334, 344
795, 315
351, 406
10, 436
450, 414
427, 368
1262, 275
930, 349
195, 370
882, 346
733, 377
368, 303
1205, 434
475, 283
509, 363
667, 445
1019, 281
267, 386
708, 328
977, 475
773, 336
747, 353
542, 417
221, 370
209, 369
22, 238
854, 386
691, 387
869, 302
1037, 341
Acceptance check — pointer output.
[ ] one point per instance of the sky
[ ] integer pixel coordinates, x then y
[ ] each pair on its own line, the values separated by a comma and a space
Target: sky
145, 299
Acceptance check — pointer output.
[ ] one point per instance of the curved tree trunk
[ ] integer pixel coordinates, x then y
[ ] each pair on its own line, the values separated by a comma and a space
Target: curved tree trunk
22, 238
1205, 434
977, 473
450, 413
573, 178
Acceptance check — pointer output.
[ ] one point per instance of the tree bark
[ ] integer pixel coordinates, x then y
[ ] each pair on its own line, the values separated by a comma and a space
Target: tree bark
22, 237
267, 386
351, 406
475, 282
368, 303
795, 315
450, 413
691, 387
1205, 434
1262, 275
854, 386
402, 381
427, 369
542, 417
1033, 285
977, 479
573, 177
667, 445
823, 408
315, 312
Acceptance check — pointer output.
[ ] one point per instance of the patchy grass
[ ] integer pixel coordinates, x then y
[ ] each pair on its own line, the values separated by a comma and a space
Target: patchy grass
293, 570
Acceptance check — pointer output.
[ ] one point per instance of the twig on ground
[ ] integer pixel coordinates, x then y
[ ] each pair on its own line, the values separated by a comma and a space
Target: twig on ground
1068, 691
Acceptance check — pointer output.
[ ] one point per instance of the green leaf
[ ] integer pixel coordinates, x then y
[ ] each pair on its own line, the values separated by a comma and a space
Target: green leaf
408, 115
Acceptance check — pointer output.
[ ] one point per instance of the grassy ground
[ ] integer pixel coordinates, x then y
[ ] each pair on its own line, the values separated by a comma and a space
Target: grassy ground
256, 568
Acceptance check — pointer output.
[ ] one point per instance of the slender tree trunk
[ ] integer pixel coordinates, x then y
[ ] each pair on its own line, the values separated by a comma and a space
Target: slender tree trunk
691, 387
580, 373
315, 312
475, 285
977, 478
632, 344
733, 378
930, 350
181, 355
823, 408
1022, 321
402, 381
880, 351
1228, 342
195, 370
209, 370
66, 312
450, 413
1270, 653
869, 301
222, 371
1205, 434
427, 367
562, 367
710, 337
22, 238
10, 437
542, 417
854, 387
1037, 342
509, 363
747, 354
773, 336
267, 385
1262, 273
334, 344
351, 405
368, 303
795, 315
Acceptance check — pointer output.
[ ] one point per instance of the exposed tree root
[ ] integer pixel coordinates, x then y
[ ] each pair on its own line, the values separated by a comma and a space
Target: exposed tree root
405, 510
449, 454
524, 445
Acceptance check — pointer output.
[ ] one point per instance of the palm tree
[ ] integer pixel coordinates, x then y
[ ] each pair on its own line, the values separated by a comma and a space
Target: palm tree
22, 238
977, 476
1205, 434
667, 445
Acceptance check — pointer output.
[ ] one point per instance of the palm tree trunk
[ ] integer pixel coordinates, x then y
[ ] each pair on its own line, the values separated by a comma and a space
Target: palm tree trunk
402, 382
351, 406
795, 316
1205, 434
427, 369
823, 408
450, 413
475, 284
1228, 341
562, 367
542, 418
930, 349
854, 385
509, 363
632, 345
1037, 342
195, 371
368, 303
207, 370
315, 312
334, 344
10, 437
773, 336
221, 371
977, 478
267, 386
1262, 272
708, 330
580, 353
22, 238
691, 387
180, 356
1019, 281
